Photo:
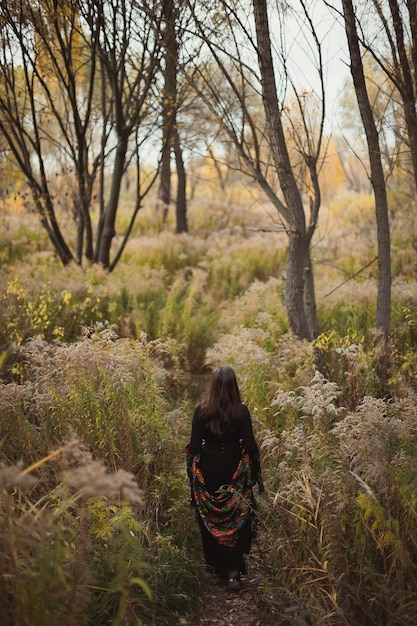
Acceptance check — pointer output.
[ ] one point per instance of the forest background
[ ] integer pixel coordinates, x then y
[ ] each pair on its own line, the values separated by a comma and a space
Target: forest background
163, 212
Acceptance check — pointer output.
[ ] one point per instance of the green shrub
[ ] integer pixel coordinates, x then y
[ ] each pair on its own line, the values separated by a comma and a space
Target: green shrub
167, 250
345, 361
38, 311
189, 317
148, 311
404, 344
235, 263
82, 553
105, 389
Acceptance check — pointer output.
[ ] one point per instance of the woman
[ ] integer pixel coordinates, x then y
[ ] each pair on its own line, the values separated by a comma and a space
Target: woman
223, 465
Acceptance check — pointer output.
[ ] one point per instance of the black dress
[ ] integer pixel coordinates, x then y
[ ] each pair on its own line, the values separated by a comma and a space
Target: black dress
219, 458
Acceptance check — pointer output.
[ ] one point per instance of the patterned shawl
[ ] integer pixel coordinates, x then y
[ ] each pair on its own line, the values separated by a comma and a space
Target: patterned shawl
227, 510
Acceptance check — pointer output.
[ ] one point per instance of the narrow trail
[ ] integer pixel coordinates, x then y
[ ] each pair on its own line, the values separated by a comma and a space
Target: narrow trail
220, 606
250, 606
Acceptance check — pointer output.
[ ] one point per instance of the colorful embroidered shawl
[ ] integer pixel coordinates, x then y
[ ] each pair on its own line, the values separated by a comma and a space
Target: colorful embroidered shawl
226, 511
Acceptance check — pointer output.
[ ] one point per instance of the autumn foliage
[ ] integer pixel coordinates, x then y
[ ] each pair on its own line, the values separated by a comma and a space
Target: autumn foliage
99, 376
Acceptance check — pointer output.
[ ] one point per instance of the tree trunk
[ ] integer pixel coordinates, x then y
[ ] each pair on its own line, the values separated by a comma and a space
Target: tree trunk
49, 223
407, 87
169, 104
80, 236
377, 181
310, 297
298, 247
295, 286
109, 217
85, 185
164, 191
181, 213
83, 219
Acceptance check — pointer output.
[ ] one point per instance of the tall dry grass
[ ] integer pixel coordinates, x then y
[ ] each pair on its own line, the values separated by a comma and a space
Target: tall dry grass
340, 515
107, 369
91, 523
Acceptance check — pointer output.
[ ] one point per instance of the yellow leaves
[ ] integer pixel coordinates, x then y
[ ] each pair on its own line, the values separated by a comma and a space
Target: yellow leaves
386, 540
14, 288
58, 332
3, 357
39, 310
384, 528
66, 297
332, 174
372, 511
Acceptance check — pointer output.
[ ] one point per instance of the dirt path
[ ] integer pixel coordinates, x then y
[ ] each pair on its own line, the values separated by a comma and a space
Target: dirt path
223, 607
250, 606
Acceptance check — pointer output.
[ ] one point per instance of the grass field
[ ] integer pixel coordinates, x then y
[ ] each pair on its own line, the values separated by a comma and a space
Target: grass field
99, 376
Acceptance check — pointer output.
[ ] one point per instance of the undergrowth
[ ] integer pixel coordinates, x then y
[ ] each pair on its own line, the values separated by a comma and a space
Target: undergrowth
96, 529
100, 375
341, 514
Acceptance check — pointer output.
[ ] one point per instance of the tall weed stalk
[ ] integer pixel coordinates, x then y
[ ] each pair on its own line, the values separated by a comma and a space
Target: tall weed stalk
111, 394
343, 517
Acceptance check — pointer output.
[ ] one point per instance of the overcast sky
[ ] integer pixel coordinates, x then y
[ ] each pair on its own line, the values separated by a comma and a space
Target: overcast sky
302, 54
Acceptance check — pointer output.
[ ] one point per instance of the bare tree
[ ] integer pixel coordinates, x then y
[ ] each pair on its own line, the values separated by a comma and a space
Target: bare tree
261, 141
130, 51
28, 101
76, 90
400, 63
171, 136
387, 31
376, 174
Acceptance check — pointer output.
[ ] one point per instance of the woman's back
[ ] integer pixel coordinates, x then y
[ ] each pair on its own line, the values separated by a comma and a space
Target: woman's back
223, 452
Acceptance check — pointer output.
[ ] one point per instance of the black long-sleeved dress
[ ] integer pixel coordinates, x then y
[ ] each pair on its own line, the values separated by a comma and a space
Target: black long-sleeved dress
220, 459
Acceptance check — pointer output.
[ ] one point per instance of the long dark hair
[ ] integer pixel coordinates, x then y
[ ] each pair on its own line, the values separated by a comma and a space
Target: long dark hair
222, 409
